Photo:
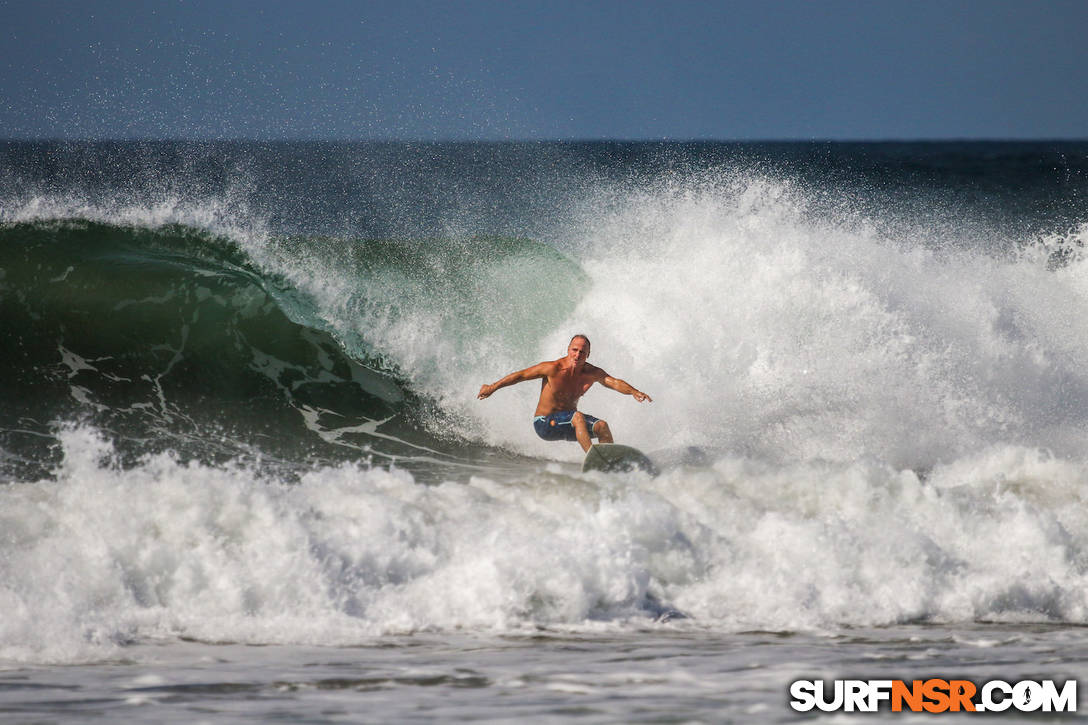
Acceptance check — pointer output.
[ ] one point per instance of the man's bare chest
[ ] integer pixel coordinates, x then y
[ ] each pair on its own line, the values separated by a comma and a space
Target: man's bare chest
569, 384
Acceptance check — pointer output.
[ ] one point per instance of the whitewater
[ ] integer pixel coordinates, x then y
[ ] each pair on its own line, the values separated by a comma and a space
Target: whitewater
245, 474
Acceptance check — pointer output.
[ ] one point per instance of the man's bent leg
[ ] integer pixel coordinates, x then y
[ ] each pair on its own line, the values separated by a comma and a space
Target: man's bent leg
581, 431
604, 434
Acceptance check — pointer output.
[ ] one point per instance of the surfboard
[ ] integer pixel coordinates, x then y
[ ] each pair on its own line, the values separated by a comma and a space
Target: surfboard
612, 457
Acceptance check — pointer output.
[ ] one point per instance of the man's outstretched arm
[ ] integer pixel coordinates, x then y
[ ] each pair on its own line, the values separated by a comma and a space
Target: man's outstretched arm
622, 386
536, 371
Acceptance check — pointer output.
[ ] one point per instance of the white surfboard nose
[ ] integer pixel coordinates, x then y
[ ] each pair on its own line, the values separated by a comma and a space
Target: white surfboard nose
612, 457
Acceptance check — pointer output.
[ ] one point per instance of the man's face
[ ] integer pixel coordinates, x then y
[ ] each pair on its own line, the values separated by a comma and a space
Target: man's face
578, 350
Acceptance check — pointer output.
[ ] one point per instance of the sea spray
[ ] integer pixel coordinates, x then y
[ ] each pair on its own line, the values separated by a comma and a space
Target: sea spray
767, 327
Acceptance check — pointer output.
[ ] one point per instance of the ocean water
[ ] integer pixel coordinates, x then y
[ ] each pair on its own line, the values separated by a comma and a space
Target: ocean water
244, 475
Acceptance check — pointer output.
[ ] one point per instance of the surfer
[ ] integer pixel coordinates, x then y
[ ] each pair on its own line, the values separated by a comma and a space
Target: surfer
565, 381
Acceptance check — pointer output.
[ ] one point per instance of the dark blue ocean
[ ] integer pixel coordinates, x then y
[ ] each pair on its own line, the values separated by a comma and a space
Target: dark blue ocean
244, 475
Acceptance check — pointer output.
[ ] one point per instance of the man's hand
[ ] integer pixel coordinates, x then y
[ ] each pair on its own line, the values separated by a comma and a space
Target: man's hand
641, 396
485, 390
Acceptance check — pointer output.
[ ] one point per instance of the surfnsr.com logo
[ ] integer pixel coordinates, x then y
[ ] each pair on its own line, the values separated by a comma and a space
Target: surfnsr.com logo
933, 695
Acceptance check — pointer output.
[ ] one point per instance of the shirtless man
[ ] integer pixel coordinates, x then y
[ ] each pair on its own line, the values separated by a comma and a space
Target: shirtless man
565, 381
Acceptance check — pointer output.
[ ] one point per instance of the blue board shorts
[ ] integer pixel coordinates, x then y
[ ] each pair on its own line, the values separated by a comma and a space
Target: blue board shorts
557, 426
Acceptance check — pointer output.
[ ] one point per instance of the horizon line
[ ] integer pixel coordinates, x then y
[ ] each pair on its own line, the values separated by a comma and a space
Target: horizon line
570, 140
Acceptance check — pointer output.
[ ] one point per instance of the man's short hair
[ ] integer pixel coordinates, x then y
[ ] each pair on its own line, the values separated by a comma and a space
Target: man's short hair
581, 336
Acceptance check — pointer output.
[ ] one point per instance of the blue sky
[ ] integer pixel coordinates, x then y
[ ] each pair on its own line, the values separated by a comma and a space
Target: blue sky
893, 69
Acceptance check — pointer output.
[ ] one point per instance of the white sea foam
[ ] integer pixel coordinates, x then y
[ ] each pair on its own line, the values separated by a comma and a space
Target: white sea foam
102, 556
228, 216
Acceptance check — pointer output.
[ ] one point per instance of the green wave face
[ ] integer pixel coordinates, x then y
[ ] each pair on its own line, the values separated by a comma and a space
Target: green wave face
174, 339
